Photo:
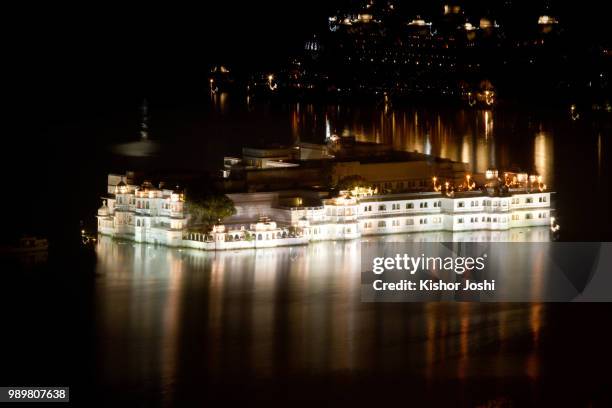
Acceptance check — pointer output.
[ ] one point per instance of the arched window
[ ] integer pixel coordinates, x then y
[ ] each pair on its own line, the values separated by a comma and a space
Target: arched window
259, 237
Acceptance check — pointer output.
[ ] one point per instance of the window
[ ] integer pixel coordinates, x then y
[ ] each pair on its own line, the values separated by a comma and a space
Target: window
382, 224
459, 220
395, 206
382, 207
147, 204
409, 221
529, 200
437, 220
423, 221
395, 223
409, 206
423, 204
528, 216
542, 199
460, 204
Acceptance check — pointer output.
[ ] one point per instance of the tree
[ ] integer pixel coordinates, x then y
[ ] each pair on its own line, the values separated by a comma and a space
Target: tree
210, 209
350, 182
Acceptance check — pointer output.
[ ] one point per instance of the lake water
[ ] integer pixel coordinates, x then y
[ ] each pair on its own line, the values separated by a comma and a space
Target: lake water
152, 326
288, 323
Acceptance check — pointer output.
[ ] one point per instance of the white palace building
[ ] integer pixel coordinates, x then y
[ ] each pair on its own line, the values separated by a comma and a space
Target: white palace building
157, 215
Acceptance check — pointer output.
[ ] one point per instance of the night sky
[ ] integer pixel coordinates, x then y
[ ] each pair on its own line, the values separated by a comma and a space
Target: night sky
99, 54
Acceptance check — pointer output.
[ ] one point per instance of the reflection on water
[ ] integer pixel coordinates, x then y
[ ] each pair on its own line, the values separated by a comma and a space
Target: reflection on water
219, 101
141, 148
168, 314
543, 156
466, 135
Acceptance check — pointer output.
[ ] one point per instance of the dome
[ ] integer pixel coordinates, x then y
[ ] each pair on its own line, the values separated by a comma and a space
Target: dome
103, 211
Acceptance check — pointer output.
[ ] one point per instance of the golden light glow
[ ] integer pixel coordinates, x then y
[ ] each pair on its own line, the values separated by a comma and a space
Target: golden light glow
271, 84
470, 184
547, 20
436, 185
361, 191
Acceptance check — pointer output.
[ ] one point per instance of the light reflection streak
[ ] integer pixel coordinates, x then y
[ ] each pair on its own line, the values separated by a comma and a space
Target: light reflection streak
468, 136
278, 310
462, 137
544, 156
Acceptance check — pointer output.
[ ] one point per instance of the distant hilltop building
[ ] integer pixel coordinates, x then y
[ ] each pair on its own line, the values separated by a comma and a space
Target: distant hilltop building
547, 23
419, 27
373, 50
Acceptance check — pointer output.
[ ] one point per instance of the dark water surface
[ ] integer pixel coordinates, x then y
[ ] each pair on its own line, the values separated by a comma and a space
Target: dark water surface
150, 326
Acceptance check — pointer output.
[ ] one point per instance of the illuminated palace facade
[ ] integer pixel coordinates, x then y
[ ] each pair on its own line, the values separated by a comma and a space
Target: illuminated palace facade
144, 213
